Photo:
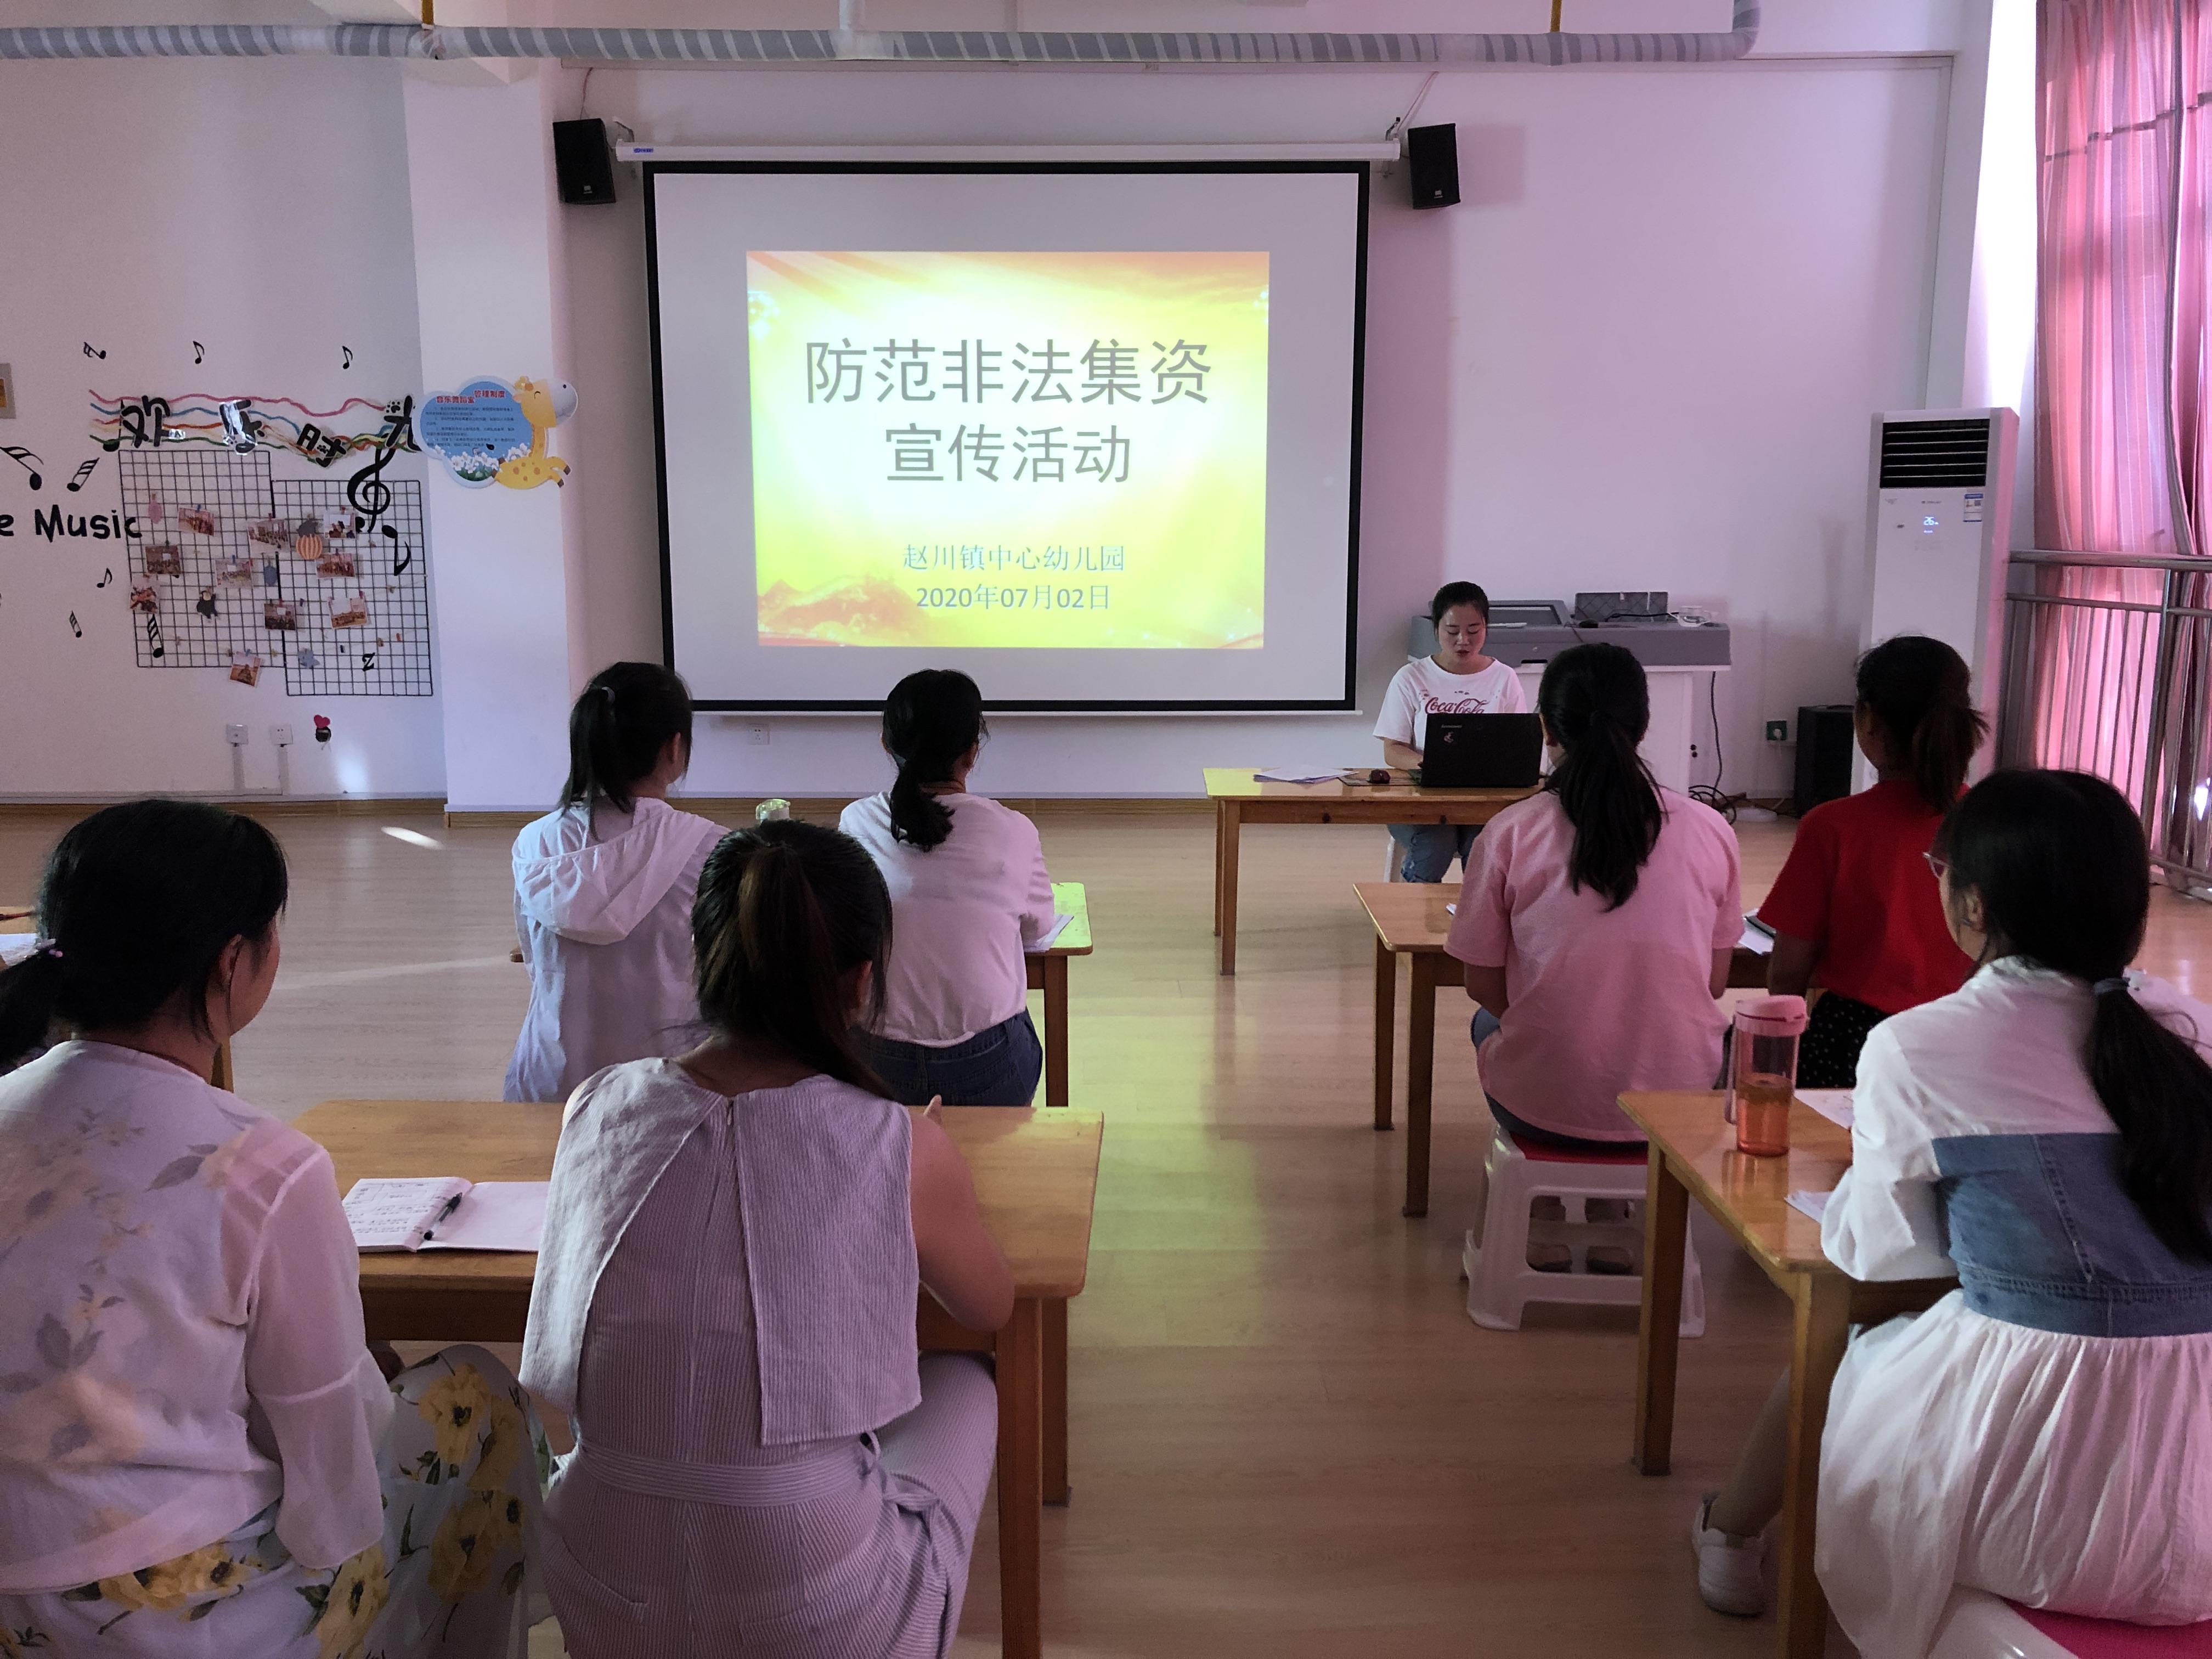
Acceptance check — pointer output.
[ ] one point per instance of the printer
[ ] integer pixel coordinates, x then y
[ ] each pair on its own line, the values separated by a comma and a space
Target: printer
1530, 631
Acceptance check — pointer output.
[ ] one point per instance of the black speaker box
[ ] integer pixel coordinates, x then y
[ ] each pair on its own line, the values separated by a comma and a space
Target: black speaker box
1825, 745
583, 162
1432, 159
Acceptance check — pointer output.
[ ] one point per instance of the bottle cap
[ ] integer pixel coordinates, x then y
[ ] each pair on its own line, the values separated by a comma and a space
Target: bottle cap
1772, 1016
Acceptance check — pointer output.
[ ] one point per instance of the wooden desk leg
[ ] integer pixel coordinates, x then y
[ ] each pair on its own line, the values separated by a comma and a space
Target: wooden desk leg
1232, 834
1420, 1080
1056, 1489
220, 1073
1659, 1336
1021, 1482
1822, 1324
1055, 1031
1220, 839
1386, 1026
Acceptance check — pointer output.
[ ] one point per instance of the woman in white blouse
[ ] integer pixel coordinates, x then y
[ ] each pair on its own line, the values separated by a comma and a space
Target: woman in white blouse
970, 894
2044, 1135
198, 1454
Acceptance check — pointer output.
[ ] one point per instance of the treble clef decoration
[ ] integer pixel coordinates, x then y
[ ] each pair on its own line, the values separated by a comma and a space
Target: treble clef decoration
366, 491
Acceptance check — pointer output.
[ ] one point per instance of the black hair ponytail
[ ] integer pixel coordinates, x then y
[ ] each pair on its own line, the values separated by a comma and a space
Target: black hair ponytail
785, 911
138, 904
1596, 706
930, 719
1921, 691
2062, 870
617, 729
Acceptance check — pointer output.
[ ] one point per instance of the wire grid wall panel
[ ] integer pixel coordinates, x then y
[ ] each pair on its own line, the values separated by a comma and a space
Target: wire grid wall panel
230, 566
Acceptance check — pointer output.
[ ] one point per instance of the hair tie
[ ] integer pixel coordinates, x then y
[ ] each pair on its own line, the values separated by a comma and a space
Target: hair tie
608, 692
2105, 987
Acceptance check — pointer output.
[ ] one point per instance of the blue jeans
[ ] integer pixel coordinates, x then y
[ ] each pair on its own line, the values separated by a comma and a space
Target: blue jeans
1430, 848
996, 1067
1483, 1024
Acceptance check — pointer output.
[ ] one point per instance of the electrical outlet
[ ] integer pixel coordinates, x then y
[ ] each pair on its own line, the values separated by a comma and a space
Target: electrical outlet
756, 734
280, 735
236, 733
1777, 731
1693, 752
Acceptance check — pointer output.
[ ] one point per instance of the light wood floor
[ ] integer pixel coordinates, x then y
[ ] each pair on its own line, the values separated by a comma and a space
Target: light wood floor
1287, 1438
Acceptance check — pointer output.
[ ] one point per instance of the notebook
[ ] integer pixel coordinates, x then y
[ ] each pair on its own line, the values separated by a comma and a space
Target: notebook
1052, 935
445, 1213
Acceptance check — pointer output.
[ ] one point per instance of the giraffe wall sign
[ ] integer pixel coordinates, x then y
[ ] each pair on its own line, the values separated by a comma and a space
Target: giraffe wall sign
491, 432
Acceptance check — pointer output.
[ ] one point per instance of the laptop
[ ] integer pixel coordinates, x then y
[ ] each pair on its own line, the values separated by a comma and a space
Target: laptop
1482, 751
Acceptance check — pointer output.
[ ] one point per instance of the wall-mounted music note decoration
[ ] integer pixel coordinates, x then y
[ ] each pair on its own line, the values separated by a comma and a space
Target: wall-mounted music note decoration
346, 352
90, 352
74, 627
23, 458
200, 353
105, 577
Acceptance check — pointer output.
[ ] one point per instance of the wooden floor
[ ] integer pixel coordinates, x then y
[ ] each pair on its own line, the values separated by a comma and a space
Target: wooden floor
1287, 1438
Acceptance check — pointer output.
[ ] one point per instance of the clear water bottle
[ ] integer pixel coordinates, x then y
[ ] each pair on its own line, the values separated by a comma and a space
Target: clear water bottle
1763, 1075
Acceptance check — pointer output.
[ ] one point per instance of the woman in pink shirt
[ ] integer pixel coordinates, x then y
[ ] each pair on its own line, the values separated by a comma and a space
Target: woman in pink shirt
1596, 921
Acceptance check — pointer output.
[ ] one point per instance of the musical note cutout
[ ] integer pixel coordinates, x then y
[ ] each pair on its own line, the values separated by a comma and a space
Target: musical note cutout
348, 353
154, 636
84, 470
105, 577
23, 458
89, 352
74, 626
200, 353
368, 661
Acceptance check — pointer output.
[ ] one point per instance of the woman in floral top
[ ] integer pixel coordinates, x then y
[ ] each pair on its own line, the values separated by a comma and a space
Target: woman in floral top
198, 1454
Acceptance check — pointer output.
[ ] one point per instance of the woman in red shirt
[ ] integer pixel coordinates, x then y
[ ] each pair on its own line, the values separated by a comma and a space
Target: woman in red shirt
1855, 909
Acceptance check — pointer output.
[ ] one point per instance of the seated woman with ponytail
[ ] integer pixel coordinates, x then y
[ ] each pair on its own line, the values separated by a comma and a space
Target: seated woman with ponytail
2045, 1135
724, 1306
1596, 921
198, 1454
1855, 909
603, 890
970, 892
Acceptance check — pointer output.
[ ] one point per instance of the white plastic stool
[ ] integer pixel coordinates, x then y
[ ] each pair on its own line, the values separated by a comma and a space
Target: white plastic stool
1978, 1626
1500, 1283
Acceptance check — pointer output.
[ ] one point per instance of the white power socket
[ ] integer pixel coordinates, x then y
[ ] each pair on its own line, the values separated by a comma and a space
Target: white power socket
756, 734
280, 735
236, 733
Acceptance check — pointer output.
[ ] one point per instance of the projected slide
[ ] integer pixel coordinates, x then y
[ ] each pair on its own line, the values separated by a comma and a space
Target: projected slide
1010, 449
1086, 430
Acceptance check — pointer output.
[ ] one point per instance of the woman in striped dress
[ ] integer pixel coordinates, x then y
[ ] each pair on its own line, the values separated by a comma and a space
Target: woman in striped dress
725, 1306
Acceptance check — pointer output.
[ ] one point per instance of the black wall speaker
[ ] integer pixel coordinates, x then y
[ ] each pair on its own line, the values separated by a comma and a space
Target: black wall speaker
582, 161
1432, 158
1825, 745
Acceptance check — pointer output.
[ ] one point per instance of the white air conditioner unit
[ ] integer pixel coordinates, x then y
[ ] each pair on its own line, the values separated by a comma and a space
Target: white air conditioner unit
1940, 522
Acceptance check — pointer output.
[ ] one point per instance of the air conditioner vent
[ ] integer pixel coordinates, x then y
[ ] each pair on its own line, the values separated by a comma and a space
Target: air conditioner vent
1935, 454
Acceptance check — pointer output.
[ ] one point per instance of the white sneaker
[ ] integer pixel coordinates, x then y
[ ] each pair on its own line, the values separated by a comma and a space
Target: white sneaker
1731, 1571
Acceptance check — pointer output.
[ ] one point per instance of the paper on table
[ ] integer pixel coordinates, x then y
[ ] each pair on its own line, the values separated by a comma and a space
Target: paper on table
13, 947
1451, 909
394, 1214
496, 1215
1813, 1204
1833, 1104
1291, 774
1755, 938
1052, 935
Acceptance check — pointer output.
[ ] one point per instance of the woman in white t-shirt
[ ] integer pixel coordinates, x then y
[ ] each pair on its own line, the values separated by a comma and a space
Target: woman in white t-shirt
970, 894
1458, 680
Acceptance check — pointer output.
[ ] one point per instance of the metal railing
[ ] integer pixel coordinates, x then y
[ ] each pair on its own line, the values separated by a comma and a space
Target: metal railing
2108, 669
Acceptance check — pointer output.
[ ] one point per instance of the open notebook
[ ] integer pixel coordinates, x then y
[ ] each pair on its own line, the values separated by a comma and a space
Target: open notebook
435, 1212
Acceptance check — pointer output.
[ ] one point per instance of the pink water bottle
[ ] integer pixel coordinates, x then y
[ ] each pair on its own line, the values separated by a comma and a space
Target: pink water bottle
1763, 1076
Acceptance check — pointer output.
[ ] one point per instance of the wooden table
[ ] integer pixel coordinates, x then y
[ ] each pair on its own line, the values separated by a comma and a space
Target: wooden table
1693, 1152
1239, 799
1036, 1176
1411, 920
1048, 974
23, 919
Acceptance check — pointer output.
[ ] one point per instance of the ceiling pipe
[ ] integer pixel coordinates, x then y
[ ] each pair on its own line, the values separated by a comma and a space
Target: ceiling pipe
850, 43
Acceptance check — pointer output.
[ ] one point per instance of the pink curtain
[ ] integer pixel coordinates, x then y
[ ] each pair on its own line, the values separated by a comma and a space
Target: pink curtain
2124, 455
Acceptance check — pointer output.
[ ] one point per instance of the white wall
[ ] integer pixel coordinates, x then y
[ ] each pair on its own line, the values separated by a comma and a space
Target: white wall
1641, 353
254, 207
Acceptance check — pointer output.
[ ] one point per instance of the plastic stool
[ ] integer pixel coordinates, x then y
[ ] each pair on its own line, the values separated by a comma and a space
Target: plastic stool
1500, 1283
1978, 1626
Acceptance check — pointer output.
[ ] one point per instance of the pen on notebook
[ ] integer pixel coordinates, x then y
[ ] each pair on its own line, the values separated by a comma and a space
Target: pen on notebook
451, 1205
